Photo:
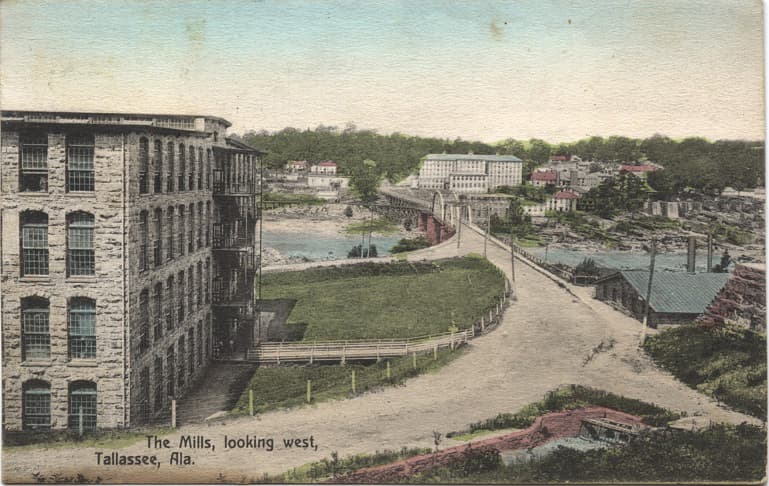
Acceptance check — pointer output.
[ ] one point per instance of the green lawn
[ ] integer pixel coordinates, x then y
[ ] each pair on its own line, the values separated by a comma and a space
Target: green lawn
389, 300
728, 363
286, 386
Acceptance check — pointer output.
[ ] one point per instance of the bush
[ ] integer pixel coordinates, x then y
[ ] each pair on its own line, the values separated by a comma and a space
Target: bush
371, 252
726, 362
410, 244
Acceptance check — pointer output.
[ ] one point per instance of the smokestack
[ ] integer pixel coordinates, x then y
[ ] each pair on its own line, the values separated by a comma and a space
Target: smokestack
691, 255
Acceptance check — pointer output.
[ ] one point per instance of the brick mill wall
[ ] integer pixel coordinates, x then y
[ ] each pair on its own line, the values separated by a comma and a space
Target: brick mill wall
106, 204
142, 407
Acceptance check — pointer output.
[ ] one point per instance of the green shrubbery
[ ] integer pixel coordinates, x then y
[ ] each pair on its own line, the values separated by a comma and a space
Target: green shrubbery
719, 453
410, 244
727, 363
571, 397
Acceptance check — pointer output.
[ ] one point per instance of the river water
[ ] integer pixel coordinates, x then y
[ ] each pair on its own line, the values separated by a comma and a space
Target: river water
322, 247
622, 260
316, 246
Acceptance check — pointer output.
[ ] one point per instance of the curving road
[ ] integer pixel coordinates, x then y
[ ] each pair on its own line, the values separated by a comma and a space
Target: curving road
542, 343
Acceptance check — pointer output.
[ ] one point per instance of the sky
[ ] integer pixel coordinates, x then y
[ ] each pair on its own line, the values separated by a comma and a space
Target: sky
476, 69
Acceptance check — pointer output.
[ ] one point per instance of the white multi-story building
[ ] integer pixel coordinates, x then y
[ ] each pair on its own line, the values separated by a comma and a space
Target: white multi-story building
469, 173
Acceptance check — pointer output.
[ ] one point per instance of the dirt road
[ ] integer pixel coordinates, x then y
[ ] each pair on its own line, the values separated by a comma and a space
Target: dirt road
541, 344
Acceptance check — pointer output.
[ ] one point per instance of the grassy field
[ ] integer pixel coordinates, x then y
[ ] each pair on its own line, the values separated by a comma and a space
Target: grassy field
727, 363
286, 386
114, 439
392, 300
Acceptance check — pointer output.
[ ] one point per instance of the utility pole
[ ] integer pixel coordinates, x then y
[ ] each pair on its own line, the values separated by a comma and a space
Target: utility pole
260, 215
370, 228
488, 230
710, 252
459, 225
648, 293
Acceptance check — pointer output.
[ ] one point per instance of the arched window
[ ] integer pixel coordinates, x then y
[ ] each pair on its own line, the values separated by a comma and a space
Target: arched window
82, 405
157, 311
157, 159
80, 250
35, 328
191, 289
33, 152
207, 223
191, 236
201, 223
200, 168
180, 297
81, 324
208, 169
143, 240
191, 346
181, 349
170, 290
157, 244
170, 176
199, 277
158, 371
182, 229
34, 243
171, 367
191, 155
144, 321
36, 406
170, 233
144, 165
182, 170
80, 156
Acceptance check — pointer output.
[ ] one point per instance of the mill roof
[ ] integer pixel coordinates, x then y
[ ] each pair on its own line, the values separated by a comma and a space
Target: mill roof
675, 292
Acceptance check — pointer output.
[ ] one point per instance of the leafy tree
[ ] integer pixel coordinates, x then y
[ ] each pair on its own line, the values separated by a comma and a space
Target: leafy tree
587, 267
348, 211
355, 252
365, 180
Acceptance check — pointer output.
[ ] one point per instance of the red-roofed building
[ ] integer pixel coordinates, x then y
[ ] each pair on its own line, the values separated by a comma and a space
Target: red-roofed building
544, 178
326, 167
564, 201
559, 158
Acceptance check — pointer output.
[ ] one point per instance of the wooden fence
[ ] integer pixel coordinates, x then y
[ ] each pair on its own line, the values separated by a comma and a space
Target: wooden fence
365, 350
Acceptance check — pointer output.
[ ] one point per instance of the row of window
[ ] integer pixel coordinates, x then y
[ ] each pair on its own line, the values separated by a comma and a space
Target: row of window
36, 405
79, 165
176, 178
181, 360
79, 246
190, 235
36, 329
167, 307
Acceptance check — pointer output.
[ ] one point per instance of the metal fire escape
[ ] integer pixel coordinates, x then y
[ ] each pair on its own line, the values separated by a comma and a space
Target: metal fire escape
236, 185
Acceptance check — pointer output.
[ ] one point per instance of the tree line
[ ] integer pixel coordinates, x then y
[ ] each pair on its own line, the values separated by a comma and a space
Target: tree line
695, 163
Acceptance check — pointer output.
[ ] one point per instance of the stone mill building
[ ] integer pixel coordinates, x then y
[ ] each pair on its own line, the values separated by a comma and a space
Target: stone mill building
128, 262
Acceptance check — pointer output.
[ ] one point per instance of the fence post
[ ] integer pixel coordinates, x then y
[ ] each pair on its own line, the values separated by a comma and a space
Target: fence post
353, 382
435, 351
378, 358
388, 370
251, 402
309, 391
344, 353
173, 413
279, 347
483, 325
414, 359
312, 353
451, 344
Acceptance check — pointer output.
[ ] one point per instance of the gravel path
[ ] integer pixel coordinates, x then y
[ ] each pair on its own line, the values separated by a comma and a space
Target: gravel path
542, 343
